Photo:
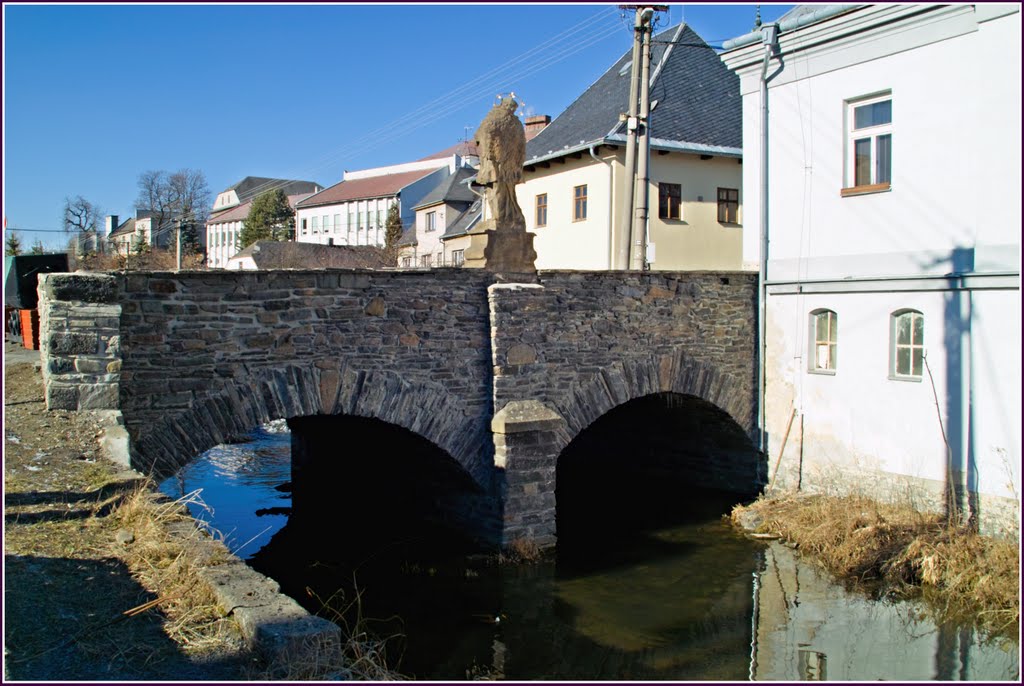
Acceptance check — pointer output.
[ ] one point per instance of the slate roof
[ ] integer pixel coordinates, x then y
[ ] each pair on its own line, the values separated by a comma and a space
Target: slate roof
251, 186
451, 189
360, 189
698, 103
291, 255
466, 221
128, 227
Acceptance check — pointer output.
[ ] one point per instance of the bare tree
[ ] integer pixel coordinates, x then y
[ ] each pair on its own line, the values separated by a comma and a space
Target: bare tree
181, 195
81, 219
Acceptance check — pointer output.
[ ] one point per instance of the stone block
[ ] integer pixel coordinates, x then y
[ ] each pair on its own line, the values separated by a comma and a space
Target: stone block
89, 288
99, 397
520, 354
73, 344
61, 397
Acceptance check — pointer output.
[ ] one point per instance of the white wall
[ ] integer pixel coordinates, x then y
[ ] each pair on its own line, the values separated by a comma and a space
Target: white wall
221, 242
347, 222
953, 206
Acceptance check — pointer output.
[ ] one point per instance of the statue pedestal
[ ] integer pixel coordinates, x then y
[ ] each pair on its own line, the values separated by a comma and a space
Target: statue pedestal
501, 250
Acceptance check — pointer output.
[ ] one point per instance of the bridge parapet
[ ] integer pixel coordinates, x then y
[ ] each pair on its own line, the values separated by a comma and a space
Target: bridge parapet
80, 349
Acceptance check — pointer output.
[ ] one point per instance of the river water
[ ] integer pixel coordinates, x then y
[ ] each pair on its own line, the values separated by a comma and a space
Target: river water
691, 601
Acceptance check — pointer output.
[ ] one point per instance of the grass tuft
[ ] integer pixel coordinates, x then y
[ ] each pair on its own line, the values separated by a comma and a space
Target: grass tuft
853, 537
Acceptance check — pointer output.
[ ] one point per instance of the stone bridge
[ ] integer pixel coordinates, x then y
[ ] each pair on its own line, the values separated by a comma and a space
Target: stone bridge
499, 372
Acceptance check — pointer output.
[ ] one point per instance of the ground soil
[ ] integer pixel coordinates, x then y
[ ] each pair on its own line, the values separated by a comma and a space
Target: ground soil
67, 583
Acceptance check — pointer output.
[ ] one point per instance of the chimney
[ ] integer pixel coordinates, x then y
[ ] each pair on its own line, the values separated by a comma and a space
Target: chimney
110, 225
535, 124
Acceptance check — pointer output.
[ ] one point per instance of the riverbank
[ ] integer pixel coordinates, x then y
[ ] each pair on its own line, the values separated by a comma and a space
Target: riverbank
963, 576
106, 579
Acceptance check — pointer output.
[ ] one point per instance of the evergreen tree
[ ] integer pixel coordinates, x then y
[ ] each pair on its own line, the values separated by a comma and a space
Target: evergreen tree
37, 248
392, 234
270, 218
13, 244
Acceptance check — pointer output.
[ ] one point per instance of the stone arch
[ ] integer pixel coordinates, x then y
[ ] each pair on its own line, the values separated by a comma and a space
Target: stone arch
267, 393
600, 392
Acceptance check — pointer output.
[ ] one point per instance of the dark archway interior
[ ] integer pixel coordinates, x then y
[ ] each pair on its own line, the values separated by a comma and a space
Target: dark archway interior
650, 463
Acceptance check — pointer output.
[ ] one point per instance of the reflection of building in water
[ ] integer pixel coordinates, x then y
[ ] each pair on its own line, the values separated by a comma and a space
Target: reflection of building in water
805, 622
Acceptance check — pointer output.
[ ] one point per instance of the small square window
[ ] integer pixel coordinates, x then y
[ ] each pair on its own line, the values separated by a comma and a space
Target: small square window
425, 260
669, 197
542, 210
579, 208
728, 205
458, 257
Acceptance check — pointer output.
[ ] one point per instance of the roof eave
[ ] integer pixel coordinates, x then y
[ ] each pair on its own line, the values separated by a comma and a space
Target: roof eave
685, 146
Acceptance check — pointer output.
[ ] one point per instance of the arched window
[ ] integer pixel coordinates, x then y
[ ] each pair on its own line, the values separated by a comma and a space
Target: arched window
906, 349
824, 337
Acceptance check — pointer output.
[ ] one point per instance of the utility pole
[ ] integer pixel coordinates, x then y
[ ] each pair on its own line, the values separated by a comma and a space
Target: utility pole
635, 122
639, 226
181, 222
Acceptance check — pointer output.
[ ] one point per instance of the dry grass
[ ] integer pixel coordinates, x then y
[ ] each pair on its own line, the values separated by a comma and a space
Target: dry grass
857, 538
169, 565
362, 656
520, 551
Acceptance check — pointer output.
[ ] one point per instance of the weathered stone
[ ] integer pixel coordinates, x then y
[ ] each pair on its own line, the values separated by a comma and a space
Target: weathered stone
61, 397
409, 339
73, 344
99, 397
521, 354
87, 288
525, 415
376, 307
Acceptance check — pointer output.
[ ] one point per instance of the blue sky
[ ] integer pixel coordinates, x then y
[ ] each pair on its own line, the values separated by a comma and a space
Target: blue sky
95, 95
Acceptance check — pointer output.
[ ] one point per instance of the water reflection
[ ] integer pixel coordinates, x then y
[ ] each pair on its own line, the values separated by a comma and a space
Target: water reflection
693, 601
238, 480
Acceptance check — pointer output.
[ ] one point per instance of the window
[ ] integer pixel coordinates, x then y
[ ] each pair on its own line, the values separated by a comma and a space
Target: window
304, 228
669, 195
869, 145
458, 257
728, 205
369, 220
359, 221
907, 349
351, 220
315, 225
406, 261
431, 221
327, 223
337, 223
824, 335
579, 206
440, 259
542, 210
425, 260
380, 219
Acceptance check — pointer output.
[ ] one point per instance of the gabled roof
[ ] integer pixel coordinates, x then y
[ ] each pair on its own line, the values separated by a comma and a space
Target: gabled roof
291, 255
241, 212
451, 189
695, 97
466, 221
462, 148
251, 186
128, 227
386, 185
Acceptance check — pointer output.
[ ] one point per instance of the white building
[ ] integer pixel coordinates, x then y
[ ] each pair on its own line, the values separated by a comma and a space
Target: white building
434, 238
354, 210
572, 194
892, 272
231, 207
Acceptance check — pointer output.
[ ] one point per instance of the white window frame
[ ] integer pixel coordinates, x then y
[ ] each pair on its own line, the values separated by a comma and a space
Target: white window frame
430, 222
872, 133
895, 346
827, 347
314, 225
458, 258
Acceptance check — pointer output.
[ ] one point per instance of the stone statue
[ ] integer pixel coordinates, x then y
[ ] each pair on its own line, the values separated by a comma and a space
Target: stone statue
501, 242
501, 145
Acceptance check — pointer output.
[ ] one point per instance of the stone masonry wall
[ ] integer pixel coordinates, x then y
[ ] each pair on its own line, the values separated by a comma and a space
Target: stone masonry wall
79, 332
582, 343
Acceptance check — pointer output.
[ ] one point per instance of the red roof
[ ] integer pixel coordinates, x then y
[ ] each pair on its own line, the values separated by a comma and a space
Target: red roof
241, 212
384, 186
462, 148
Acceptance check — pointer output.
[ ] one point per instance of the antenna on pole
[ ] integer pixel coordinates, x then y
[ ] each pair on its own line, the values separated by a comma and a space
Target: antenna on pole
757, 18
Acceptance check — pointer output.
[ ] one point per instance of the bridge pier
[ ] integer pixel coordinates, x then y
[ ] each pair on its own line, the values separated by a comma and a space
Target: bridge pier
527, 440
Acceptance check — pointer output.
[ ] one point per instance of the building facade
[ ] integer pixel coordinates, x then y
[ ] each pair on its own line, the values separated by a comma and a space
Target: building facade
892, 292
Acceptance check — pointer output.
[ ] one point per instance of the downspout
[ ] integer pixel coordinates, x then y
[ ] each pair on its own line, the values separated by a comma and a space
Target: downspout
611, 191
769, 36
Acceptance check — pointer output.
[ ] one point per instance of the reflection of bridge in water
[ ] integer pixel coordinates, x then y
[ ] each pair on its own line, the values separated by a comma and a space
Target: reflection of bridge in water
496, 378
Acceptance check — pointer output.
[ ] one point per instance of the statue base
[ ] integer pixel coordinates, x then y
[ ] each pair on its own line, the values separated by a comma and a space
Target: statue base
501, 250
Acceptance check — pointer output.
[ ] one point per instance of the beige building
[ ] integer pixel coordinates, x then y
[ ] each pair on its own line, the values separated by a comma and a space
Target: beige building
438, 236
573, 189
